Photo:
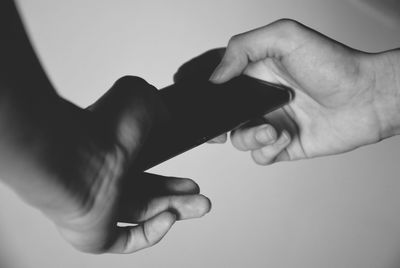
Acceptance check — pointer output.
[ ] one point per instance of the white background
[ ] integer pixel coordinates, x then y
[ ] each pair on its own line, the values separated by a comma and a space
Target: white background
340, 211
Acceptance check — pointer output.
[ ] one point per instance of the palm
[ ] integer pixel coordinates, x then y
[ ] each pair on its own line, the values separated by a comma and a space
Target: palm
324, 117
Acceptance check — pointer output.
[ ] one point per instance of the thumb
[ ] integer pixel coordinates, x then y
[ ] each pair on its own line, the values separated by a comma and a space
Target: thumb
126, 112
199, 68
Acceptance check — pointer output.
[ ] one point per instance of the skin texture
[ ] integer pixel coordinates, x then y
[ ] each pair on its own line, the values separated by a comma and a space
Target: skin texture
343, 98
77, 166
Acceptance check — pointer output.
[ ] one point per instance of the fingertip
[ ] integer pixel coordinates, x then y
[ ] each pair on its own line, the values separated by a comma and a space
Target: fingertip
219, 139
218, 76
178, 186
200, 205
230, 66
194, 206
187, 186
259, 158
207, 204
237, 141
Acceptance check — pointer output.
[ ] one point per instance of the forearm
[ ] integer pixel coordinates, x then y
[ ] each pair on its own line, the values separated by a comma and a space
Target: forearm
30, 110
20, 69
26, 94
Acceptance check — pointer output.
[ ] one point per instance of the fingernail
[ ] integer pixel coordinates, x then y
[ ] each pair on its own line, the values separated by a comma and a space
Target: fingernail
265, 135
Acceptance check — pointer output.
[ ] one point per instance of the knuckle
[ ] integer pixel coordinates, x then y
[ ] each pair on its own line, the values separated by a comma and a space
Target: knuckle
129, 80
134, 85
192, 184
290, 33
288, 28
132, 91
287, 24
235, 41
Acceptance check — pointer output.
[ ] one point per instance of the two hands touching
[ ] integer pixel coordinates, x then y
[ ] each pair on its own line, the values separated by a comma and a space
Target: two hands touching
77, 165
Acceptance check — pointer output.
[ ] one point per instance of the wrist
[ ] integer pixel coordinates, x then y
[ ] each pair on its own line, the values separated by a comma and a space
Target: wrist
29, 128
385, 87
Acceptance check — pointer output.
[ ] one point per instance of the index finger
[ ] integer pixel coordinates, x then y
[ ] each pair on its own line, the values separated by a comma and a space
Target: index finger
272, 41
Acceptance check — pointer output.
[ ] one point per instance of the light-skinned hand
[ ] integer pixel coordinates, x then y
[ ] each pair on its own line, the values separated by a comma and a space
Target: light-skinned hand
343, 98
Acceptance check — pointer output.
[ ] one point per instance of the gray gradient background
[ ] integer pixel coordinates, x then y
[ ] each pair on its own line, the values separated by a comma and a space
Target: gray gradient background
339, 211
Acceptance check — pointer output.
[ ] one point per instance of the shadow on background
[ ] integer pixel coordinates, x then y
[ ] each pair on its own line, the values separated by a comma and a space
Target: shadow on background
387, 7
386, 11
